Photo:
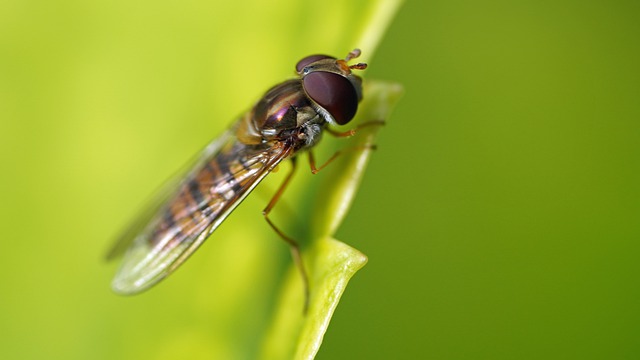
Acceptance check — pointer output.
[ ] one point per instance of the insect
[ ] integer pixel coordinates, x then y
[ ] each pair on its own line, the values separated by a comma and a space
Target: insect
289, 119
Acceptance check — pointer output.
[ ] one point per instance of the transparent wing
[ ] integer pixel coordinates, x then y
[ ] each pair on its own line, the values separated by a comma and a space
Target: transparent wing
172, 230
162, 196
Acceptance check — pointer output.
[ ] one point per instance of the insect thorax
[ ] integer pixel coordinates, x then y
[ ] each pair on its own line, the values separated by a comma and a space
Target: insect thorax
284, 114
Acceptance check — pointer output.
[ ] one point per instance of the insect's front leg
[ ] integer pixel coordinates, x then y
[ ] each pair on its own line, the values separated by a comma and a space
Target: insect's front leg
312, 161
293, 245
355, 130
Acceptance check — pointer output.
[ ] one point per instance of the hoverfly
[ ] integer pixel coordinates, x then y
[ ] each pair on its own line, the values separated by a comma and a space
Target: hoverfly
288, 119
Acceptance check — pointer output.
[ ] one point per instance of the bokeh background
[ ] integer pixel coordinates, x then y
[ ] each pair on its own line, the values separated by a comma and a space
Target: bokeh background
500, 213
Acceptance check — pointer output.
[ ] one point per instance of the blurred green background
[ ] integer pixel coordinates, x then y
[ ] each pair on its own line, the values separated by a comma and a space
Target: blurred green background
500, 213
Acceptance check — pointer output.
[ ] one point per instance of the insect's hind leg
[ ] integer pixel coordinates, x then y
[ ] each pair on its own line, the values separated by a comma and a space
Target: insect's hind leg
293, 245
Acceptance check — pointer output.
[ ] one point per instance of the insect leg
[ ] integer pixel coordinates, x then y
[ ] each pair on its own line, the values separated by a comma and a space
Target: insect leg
293, 245
312, 159
349, 133
353, 131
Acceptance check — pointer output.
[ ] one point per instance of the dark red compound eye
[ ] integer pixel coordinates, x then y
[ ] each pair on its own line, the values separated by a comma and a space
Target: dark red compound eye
311, 59
334, 93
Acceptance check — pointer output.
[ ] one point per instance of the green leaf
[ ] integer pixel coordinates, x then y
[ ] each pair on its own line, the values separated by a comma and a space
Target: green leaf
330, 264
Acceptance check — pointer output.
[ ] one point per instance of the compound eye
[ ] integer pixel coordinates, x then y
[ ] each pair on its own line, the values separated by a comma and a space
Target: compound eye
334, 93
311, 59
